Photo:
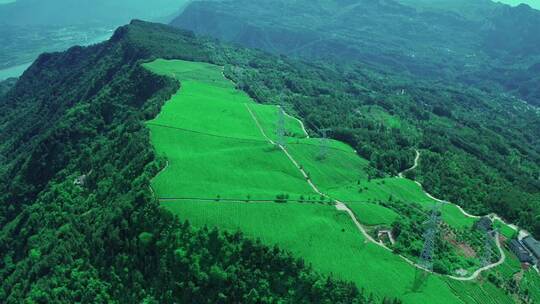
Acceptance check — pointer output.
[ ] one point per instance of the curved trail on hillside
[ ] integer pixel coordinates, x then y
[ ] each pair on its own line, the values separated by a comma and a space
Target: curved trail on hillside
343, 207
339, 205
492, 216
416, 159
487, 267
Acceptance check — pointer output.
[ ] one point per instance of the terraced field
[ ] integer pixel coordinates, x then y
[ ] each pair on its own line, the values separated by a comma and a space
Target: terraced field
220, 165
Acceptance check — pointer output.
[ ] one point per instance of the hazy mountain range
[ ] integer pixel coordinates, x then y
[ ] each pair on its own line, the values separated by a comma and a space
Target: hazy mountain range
481, 43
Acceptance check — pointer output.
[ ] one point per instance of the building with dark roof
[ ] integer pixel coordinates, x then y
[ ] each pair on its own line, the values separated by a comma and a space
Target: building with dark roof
520, 251
484, 224
532, 245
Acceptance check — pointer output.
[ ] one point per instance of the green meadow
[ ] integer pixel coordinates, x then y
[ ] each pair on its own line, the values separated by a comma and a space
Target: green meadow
324, 237
505, 230
213, 146
215, 150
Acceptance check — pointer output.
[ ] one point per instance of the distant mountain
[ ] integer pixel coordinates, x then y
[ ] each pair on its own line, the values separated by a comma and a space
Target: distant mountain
30, 27
68, 12
474, 42
533, 3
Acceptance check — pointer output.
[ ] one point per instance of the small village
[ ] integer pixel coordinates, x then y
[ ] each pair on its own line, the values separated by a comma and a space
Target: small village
527, 250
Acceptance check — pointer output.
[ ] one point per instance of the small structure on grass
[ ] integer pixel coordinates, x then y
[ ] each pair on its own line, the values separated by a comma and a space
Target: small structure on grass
484, 224
388, 234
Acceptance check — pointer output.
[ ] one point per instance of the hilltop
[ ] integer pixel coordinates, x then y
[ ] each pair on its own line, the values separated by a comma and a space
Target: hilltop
78, 220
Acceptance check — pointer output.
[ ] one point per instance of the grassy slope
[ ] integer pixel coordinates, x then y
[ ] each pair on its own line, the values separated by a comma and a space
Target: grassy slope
208, 165
505, 230
208, 137
322, 236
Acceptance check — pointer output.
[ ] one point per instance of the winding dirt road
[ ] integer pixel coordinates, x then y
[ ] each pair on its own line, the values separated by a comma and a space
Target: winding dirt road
492, 216
343, 207
487, 267
416, 159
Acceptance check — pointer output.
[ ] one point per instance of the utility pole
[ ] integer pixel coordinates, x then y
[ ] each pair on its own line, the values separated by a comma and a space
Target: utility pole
323, 145
280, 129
432, 226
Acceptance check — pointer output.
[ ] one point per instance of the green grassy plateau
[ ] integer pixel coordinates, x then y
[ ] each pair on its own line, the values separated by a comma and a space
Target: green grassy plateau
216, 151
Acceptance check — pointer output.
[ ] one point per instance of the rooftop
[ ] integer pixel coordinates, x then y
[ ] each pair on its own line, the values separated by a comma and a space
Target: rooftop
484, 224
518, 249
533, 245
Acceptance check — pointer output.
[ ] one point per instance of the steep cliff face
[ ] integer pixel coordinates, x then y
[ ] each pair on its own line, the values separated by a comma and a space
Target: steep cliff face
513, 32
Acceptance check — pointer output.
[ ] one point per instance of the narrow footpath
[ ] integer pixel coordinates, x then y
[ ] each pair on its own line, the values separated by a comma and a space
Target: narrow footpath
343, 207
492, 216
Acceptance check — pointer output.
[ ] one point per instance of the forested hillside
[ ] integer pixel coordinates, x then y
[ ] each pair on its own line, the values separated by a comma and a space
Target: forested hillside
479, 146
478, 42
6, 85
79, 223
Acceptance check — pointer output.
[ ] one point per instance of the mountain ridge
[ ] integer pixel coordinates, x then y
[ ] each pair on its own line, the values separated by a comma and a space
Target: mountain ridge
78, 221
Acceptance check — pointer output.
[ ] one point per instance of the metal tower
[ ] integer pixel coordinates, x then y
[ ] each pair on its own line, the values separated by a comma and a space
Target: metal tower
280, 129
432, 226
323, 145
488, 247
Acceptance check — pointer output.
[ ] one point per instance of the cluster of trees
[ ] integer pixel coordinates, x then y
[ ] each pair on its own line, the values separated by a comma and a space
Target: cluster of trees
409, 230
78, 223
6, 85
520, 287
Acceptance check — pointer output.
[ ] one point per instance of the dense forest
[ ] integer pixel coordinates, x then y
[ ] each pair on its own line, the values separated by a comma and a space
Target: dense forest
6, 85
479, 145
79, 223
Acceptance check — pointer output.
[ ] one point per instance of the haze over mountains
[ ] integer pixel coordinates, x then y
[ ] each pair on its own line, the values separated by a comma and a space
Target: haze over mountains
66, 12
533, 3
477, 42
30, 27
